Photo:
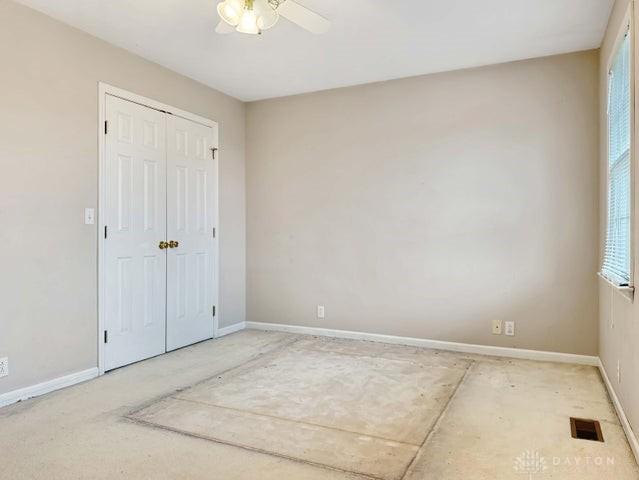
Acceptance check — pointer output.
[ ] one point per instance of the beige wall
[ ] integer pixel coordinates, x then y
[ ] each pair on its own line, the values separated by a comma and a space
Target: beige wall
427, 207
48, 149
422, 207
618, 316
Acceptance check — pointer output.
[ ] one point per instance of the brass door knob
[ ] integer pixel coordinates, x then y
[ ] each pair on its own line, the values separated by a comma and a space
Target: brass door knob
163, 245
173, 244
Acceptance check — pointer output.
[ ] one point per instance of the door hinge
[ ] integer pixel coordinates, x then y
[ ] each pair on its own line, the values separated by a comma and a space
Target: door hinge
106, 336
213, 232
105, 231
213, 310
106, 127
213, 151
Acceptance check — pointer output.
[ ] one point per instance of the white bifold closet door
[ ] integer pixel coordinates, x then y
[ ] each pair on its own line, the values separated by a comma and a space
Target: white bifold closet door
135, 219
159, 256
190, 217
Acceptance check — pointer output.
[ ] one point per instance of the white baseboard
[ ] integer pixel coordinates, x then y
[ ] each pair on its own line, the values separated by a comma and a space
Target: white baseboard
436, 344
230, 329
630, 434
48, 386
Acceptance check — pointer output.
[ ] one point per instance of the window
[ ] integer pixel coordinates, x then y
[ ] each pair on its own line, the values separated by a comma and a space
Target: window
616, 265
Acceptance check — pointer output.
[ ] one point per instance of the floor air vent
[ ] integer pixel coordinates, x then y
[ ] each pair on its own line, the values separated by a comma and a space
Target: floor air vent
586, 429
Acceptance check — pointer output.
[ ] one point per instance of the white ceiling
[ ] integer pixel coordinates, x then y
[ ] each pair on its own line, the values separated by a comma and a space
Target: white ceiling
370, 40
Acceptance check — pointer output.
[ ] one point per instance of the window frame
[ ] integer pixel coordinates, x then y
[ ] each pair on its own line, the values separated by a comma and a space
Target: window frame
626, 29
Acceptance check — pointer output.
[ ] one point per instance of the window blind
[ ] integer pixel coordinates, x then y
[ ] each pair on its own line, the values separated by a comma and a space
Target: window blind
616, 265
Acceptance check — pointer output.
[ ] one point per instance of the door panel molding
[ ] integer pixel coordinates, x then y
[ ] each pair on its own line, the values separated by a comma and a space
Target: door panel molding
150, 140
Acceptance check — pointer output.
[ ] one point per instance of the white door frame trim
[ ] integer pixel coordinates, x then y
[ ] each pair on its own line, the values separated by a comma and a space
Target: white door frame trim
106, 89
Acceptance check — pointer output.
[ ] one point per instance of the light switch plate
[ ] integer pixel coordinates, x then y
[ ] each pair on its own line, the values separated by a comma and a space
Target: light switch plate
89, 216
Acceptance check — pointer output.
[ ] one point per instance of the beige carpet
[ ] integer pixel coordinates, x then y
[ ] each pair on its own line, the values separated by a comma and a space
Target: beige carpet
322, 402
273, 406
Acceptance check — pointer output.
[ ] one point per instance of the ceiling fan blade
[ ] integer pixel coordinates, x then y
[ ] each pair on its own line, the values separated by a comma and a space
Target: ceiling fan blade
224, 28
303, 17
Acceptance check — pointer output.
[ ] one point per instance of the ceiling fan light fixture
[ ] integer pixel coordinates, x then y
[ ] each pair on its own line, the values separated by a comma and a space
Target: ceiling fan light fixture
267, 17
231, 11
255, 16
248, 21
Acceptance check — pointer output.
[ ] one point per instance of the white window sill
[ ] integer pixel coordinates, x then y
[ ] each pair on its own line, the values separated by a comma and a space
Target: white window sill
627, 291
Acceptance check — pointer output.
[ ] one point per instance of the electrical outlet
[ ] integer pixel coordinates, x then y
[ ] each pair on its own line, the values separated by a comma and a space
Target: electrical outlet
320, 311
509, 328
618, 371
496, 327
4, 367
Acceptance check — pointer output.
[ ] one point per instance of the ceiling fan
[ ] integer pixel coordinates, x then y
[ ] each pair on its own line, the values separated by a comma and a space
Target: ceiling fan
255, 16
